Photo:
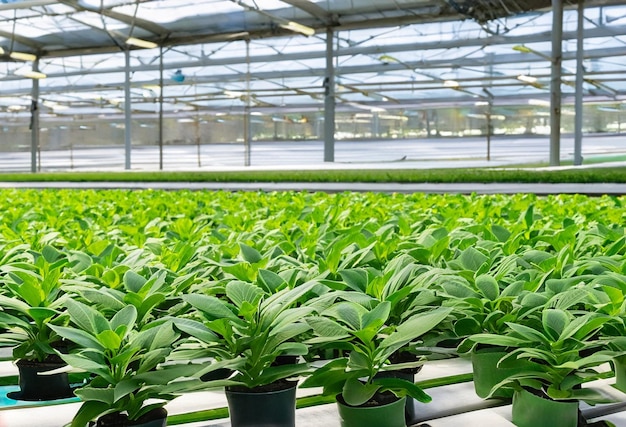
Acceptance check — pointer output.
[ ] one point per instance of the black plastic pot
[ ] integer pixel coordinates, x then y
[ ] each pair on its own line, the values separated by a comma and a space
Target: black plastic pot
36, 387
155, 418
273, 406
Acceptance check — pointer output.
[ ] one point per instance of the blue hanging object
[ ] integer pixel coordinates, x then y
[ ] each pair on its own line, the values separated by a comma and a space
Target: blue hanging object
178, 76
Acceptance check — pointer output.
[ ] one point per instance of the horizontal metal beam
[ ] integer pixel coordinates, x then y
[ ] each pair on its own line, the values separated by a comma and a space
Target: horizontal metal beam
25, 4
126, 19
459, 62
312, 9
25, 41
372, 50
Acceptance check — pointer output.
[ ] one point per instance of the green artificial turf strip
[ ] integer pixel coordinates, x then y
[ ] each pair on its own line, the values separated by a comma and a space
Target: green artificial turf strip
304, 402
9, 380
588, 175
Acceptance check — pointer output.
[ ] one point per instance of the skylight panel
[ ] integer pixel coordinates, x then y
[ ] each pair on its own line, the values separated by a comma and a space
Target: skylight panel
171, 11
107, 4
96, 20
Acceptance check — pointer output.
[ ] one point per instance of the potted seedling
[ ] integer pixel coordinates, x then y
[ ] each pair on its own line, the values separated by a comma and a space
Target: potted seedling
32, 301
129, 383
365, 398
483, 307
565, 352
397, 284
245, 333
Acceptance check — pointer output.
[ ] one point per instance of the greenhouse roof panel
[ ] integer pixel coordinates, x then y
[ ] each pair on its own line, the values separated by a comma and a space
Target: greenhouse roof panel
386, 50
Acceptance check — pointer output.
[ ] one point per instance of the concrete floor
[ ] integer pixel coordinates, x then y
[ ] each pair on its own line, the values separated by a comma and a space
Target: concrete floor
382, 154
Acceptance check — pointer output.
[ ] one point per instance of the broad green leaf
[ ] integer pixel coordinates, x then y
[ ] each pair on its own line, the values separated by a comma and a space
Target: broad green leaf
242, 271
357, 393
250, 254
271, 281
554, 322
581, 327
359, 361
196, 329
107, 298
348, 313
529, 217
79, 362
569, 298
529, 334
148, 304
401, 386
243, 292
89, 411
7, 321
415, 327
595, 359
41, 314
13, 303
472, 259
133, 281
51, 254
488, 286
292, 349
355, 278
87, 318
325, 327
501, 233
287, 297
377, 317
591, 396
124, 388
125, 317
497, 340
29, 292
457, 287
210, 306
78, 336
109, 339
513, 290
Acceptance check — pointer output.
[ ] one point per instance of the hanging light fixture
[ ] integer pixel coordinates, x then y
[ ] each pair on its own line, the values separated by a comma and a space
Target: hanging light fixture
30, 74
146, 44
23, 56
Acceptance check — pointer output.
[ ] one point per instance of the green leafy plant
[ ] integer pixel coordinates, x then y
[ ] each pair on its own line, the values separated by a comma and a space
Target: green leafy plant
126, 363
565, 350
32, 301
247, 331
371, 342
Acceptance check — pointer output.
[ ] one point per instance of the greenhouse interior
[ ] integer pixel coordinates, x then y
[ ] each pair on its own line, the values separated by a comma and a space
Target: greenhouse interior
133, 75
312, 213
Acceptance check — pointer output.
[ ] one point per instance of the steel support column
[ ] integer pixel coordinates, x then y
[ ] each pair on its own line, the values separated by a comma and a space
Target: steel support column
127, 112
555, 86
247, 119
34, 121
580, 71
329, 99
161, 88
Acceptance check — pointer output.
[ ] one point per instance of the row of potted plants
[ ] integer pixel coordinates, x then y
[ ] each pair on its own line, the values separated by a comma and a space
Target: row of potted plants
204, 281
365, 315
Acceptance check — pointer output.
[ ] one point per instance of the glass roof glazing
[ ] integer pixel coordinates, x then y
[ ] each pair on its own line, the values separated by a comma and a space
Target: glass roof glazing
403, 61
